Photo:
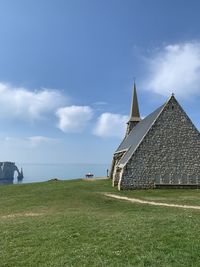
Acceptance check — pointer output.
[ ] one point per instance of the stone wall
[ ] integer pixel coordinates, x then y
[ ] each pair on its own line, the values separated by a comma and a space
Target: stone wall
130, 126
169, 153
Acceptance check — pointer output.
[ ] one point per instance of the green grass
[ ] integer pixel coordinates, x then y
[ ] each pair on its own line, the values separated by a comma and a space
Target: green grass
78, 226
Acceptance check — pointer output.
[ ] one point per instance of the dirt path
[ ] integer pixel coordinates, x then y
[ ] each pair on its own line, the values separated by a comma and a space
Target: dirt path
135, 200
28, 214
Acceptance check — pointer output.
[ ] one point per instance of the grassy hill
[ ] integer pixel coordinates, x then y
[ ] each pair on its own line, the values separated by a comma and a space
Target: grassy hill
71, 223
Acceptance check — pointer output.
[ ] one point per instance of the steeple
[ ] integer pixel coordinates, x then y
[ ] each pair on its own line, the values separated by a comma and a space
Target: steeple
135, 113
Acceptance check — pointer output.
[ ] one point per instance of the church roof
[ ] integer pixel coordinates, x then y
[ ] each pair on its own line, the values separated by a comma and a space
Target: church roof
131, 142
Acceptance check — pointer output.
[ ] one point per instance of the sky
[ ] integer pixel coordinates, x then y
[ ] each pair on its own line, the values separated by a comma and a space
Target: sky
67, 69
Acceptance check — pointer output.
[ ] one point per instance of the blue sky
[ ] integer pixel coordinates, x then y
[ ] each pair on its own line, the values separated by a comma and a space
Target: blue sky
67, 70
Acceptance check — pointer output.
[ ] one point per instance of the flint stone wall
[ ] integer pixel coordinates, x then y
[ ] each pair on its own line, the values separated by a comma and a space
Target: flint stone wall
169, 153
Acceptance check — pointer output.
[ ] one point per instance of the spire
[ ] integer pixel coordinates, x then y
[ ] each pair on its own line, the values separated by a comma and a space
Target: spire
134, 114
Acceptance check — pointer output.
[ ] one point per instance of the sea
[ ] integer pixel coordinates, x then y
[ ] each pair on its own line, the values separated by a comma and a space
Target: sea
44, 172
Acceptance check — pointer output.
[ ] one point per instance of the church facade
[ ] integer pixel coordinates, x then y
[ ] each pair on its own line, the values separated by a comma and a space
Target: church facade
162, 150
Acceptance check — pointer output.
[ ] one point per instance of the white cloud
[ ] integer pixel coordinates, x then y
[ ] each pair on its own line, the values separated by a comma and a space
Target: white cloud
73, 118
19, 102
175, 68
111, 125
38, 140
100, 103
32, 141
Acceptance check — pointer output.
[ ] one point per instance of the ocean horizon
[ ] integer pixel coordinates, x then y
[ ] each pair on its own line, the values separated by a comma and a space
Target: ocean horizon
40, 172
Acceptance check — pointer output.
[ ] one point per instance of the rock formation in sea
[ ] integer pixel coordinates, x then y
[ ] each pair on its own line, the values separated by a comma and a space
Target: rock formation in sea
7, 171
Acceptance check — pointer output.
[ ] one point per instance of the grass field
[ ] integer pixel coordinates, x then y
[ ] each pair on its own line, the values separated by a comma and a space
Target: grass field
71, 223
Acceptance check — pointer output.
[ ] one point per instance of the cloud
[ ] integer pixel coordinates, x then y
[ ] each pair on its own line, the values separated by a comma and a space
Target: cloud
73, 118
38, 140
175, 68
111, 125
100, 103
19, 102
32, 141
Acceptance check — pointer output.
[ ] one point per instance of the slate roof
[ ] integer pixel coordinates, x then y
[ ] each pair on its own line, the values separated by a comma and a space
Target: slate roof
136, 135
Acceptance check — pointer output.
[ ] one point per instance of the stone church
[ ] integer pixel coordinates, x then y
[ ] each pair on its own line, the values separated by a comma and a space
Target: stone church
161, 150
